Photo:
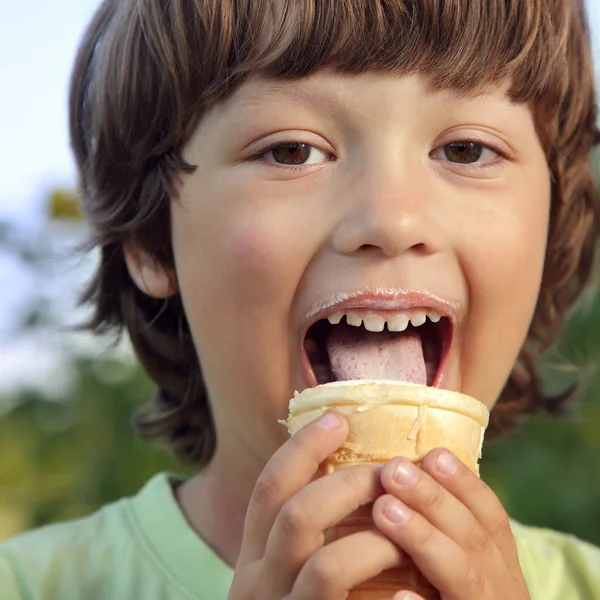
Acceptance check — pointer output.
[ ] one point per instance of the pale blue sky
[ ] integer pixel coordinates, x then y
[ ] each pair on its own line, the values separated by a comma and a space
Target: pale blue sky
38, 39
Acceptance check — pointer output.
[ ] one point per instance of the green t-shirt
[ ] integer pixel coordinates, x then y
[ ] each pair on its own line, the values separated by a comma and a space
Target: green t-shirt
142, 548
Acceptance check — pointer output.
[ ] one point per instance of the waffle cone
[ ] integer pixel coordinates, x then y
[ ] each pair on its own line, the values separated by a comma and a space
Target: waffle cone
388, 419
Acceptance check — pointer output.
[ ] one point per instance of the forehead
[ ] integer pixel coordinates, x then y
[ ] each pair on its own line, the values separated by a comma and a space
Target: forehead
331, 92
328, 83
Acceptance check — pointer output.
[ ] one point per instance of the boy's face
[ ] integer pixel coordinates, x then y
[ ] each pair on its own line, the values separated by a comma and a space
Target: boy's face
373, 195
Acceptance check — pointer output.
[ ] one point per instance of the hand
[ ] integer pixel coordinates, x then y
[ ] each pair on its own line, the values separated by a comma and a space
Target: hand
453, 526
283, 553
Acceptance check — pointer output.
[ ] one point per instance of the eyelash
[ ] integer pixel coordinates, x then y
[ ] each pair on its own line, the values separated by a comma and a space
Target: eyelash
501, 156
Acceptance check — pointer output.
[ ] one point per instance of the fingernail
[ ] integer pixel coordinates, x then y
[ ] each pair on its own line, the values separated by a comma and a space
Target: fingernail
405, 596
406, 473
446, 463
329, 421
397, 512
377, 468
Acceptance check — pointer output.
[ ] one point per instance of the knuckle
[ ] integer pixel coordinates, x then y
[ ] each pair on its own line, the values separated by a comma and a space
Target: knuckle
501, 525
325, 572
476, 486
299, 441
432, 497
266, 490
426, 538
355, 477
478, 543
302, 446
293, 519
247, 581
474, 581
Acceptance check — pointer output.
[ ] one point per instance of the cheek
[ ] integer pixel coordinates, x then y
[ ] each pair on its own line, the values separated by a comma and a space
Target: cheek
228, 253
503, 263
240, 253
515, 240
507, 260
261, 263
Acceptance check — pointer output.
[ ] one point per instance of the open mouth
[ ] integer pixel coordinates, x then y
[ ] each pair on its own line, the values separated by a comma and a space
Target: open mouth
409, 346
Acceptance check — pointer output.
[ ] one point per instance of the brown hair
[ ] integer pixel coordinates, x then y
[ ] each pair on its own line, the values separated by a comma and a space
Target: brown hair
147, 69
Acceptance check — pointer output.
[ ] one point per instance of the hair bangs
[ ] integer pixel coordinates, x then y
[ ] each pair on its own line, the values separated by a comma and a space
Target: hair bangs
457, 44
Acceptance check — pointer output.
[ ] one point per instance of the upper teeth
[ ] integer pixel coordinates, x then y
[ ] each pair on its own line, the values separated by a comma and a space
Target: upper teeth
374, 322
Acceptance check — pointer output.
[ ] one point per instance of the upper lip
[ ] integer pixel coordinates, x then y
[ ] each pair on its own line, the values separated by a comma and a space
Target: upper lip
382, 299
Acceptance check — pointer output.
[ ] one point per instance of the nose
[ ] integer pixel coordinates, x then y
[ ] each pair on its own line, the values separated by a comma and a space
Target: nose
390, 210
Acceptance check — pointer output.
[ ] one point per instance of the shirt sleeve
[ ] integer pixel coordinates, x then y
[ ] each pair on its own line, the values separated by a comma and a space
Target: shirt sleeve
557, 566
9, 585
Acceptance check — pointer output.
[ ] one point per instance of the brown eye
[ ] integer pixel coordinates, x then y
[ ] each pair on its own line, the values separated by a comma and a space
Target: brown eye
463, 152
291, 154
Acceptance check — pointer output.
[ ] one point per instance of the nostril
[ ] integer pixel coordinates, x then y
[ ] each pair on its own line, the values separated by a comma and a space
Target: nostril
368, 247
375, 249
421, 248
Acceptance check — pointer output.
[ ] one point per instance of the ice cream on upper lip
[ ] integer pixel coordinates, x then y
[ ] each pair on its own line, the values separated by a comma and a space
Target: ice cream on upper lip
384, 334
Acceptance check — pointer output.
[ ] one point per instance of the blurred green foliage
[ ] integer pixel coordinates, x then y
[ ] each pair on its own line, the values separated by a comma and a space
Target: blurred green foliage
548, 473
64, 205
64, 459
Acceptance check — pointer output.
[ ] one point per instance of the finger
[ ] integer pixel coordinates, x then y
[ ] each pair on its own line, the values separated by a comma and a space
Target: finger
345, 563
299, 529
441, 560
406, 595
424, 494
478, 497
292, 467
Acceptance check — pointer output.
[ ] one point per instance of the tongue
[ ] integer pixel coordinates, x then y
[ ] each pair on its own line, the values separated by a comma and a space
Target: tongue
355, 353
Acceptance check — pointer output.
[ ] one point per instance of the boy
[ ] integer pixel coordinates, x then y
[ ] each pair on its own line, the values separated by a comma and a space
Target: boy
252, 172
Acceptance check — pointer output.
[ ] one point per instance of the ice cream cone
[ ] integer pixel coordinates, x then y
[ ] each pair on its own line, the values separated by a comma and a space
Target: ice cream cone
388, 419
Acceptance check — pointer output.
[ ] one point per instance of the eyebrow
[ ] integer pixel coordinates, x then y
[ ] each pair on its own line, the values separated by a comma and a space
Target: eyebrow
301, 95
297, 92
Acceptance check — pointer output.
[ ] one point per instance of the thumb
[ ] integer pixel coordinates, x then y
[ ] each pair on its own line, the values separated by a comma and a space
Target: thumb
290, 469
